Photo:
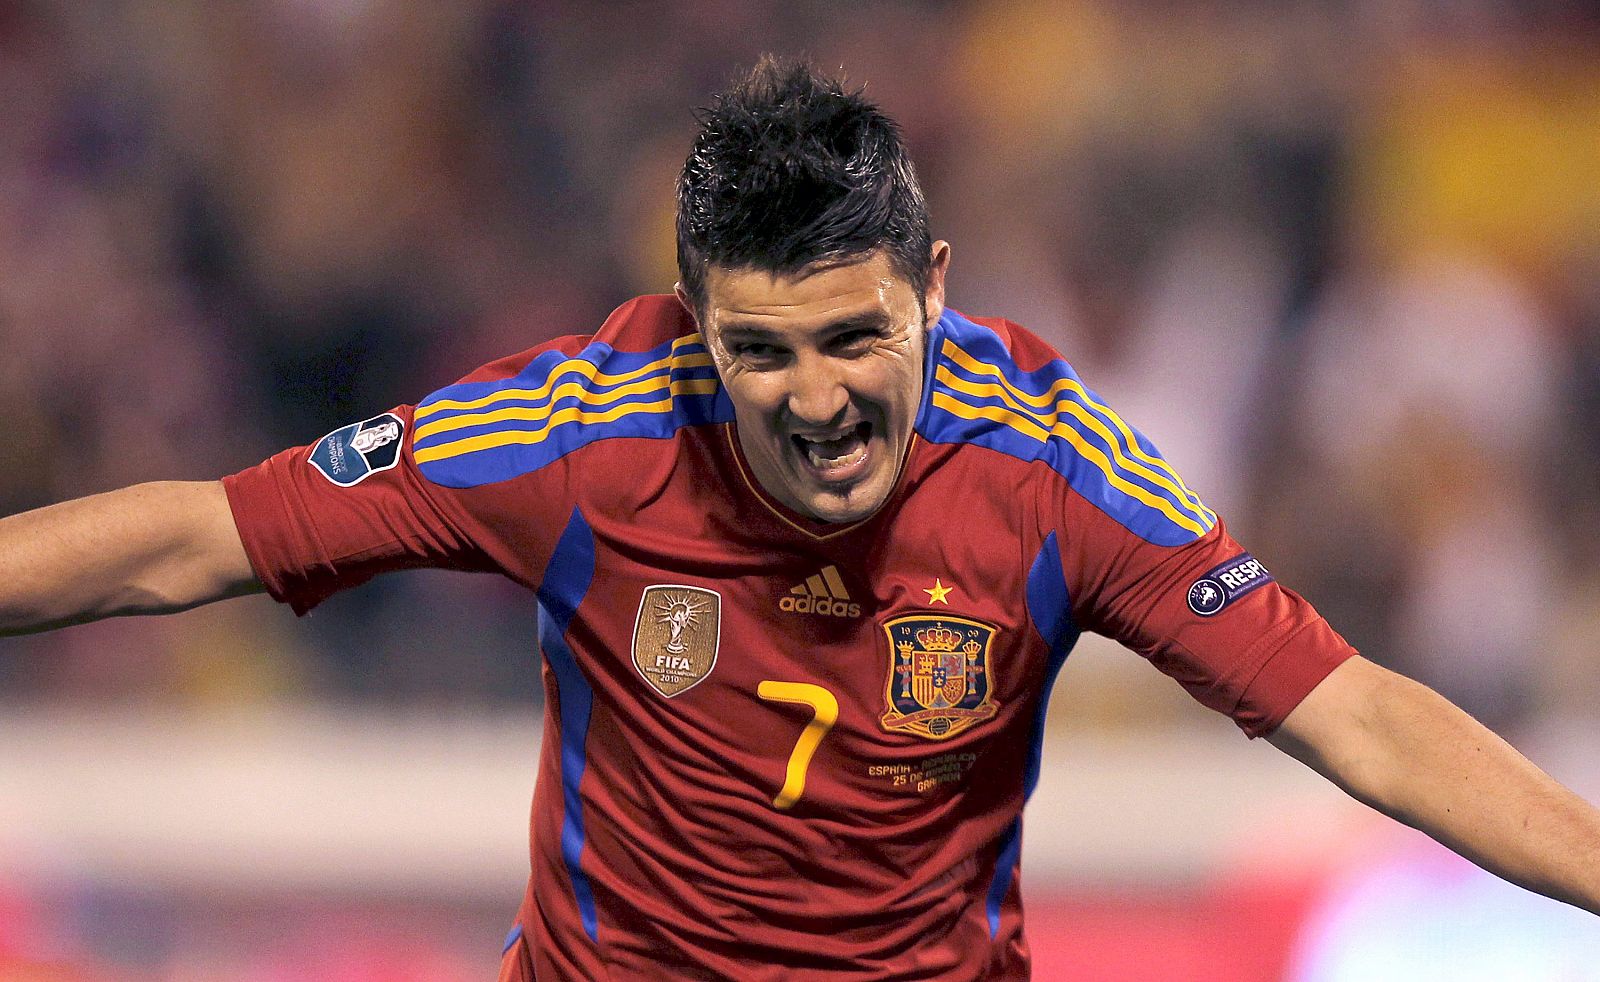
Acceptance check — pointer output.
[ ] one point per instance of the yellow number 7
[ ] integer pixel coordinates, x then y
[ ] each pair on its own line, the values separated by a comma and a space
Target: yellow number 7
826, 708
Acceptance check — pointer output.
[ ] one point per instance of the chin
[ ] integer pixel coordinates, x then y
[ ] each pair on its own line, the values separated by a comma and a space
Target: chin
837, 516
854, 506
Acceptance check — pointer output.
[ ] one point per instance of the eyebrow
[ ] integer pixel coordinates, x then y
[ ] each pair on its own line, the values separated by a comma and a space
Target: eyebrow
871, 321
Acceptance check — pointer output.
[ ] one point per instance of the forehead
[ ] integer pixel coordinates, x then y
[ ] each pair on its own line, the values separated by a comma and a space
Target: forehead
813, 297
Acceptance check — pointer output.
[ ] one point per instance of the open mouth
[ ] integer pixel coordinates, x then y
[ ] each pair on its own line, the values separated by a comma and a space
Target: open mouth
838, 457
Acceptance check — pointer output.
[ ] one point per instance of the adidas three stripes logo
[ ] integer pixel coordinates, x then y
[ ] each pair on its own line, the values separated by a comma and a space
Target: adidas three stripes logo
821, 593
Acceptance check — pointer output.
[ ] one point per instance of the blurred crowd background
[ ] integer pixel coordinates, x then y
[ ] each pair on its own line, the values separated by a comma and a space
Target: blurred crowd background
1340, 260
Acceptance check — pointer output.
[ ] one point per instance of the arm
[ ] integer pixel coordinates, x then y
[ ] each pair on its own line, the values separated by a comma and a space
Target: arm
1400, 747
148, 549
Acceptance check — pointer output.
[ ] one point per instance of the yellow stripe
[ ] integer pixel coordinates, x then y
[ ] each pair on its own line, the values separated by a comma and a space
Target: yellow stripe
1051, 396
577, 366
1088, 450
1053, 421
571, 414
537, 413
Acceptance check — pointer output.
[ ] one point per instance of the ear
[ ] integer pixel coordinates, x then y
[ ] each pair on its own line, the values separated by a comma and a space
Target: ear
688, 305
939, 264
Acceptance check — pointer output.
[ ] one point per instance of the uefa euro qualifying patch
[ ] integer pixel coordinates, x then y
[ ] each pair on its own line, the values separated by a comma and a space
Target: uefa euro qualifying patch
351, 454
1224, 584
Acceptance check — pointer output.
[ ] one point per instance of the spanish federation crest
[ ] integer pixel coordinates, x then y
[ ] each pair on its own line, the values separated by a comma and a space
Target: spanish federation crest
938, 675
676, 636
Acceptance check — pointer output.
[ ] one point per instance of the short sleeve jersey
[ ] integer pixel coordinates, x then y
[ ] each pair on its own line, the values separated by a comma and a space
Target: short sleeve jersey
776, 748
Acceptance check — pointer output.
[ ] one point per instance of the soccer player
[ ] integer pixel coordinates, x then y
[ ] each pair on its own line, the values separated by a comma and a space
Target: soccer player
808, 547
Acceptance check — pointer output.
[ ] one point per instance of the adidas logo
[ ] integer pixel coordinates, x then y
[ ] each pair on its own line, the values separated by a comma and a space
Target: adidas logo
821, 593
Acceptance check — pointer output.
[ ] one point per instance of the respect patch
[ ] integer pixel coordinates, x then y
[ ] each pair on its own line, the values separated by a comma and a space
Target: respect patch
1226, 583
351, 454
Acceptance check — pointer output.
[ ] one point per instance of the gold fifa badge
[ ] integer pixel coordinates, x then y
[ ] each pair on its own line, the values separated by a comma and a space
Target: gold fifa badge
676, 636
938, 675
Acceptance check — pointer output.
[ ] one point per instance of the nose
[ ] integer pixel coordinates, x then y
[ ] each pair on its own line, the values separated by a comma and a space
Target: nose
817, 394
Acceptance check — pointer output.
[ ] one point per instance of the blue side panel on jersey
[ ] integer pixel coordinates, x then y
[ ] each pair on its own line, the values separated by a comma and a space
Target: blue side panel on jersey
511, 939
1050, 608
486, 466
1086, 477
566, 581
1010, 846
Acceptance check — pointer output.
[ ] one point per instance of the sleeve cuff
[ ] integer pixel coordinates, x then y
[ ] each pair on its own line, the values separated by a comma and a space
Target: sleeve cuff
1288, 675
269, 533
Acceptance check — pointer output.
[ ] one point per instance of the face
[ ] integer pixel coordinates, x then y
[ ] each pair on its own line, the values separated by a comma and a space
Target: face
824, 368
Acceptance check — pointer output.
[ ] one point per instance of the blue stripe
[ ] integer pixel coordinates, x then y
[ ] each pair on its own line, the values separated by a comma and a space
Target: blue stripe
593, 396
566, 581
1054, 450
582, 401
1084, 476
470, 470
539, 370
511, 939
1061, 455
987, 346
1050, 608
489, 466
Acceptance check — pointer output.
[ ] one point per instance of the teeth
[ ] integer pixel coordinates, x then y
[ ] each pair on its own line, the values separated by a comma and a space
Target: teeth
833, 452
849, 454
842, 450
841, 435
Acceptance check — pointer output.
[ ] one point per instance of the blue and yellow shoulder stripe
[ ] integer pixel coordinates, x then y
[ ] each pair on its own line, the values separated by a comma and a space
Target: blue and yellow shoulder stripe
977, 394
475, 433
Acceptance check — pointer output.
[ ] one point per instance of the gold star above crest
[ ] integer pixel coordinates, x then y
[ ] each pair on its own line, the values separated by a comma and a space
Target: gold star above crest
938, 592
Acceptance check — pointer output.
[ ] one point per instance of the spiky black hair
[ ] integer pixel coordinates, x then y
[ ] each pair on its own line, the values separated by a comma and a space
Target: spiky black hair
789, 169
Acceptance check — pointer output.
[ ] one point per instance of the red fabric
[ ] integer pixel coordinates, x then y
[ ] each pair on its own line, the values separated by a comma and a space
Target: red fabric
516, 965
1254, 661
309, 538
883, 867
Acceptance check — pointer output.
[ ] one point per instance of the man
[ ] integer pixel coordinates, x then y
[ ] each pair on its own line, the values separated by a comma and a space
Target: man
809, 548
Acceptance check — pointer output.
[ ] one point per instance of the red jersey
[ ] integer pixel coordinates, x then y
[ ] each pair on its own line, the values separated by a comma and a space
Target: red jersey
776, 748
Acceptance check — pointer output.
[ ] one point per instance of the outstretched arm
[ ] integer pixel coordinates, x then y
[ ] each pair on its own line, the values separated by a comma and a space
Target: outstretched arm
1402, 748
148, 549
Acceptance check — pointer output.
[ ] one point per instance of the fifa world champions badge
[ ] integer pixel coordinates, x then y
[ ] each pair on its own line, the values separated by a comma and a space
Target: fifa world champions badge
676, 636
939, 675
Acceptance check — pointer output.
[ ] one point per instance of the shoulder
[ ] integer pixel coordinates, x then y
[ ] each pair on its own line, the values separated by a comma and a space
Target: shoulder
643, 374
994, 384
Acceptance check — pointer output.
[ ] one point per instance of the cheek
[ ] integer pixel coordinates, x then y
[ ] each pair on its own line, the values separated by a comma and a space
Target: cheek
900, 394
753, 397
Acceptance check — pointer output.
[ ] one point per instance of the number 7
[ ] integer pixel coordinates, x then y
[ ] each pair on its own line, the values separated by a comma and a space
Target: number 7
826, 709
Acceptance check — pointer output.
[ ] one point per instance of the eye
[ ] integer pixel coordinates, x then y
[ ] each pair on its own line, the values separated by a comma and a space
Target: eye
852, 342
758, 354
